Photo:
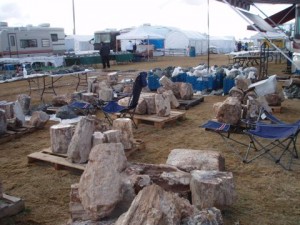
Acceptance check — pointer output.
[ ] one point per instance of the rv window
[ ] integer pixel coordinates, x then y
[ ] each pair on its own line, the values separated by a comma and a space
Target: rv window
54, 37
45, 43
28, 43
12, 41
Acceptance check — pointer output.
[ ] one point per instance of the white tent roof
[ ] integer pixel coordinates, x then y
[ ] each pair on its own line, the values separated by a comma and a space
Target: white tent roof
142, 32
270, 35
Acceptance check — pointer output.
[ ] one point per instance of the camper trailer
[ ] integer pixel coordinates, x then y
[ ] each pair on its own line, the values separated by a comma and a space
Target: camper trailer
42, 40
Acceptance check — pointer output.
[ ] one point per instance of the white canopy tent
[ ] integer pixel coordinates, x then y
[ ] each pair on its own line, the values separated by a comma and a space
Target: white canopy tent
137, 35
179, 39
223, 44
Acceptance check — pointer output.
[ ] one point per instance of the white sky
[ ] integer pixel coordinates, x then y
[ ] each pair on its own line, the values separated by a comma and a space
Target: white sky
95, 15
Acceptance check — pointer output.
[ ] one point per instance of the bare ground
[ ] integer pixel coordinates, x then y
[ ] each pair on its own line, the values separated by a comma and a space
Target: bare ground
267, 194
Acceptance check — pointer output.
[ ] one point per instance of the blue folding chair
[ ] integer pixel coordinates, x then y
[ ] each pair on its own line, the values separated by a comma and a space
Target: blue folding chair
281, 140
112, 107
275, 140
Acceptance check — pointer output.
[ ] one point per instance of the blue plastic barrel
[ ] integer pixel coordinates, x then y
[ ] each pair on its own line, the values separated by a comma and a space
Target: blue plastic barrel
153, 81
228, 83
192, 52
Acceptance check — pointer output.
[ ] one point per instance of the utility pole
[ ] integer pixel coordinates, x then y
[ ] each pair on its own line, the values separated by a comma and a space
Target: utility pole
74, 30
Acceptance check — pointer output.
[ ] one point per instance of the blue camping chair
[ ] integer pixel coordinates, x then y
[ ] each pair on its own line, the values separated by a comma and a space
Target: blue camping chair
278, 141
112, 107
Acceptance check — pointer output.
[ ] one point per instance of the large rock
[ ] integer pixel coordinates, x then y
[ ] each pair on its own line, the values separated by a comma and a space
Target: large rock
100, 186
39, 119
125, 126
60, 137
185, 90
81, 142
24, 101
154, 206
162, 104
229, 111
190, 159
212, 189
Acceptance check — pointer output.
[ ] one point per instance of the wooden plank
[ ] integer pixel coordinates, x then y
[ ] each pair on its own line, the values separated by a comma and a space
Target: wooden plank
10, 205
159, 121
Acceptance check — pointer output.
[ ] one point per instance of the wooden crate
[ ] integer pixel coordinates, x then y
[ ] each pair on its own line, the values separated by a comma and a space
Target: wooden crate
159, 121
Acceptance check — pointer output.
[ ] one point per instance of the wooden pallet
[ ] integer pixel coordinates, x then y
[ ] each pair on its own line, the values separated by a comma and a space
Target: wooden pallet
186, 104
16, 133
159, 121
276, 109
10, 205
60, 160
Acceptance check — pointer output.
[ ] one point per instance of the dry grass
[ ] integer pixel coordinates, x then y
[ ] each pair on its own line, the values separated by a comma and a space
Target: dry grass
267, 194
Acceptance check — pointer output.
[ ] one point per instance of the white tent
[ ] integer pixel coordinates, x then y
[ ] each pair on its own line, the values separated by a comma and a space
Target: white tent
182, 40
223, 44
77, 43
144, 32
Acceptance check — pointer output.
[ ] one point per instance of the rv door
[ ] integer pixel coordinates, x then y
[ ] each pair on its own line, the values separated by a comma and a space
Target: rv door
12, 44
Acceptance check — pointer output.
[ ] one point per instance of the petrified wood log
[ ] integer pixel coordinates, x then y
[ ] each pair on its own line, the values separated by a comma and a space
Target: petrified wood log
24, 101
125, 126
106, 94
150, 103
229, 111
112, 136
3, 122
236, 92
212, 189
190, 159
162, 105
39, 119
81, 142
8, 107
98, 138
100, 186
91, 81
60, 137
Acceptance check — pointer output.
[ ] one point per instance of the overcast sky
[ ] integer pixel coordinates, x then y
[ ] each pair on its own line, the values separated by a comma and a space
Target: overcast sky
95, 15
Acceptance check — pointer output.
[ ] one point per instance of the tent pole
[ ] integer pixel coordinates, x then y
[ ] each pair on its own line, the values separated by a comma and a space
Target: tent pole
148, 48
208, 35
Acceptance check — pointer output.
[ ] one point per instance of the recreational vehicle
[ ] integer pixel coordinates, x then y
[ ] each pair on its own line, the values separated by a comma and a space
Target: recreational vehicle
107, 37
41, 40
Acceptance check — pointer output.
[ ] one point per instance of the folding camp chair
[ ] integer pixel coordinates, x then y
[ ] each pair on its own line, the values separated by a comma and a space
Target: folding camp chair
112, 107
275, 140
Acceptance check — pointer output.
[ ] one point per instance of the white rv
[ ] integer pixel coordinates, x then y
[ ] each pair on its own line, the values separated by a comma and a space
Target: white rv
42, 40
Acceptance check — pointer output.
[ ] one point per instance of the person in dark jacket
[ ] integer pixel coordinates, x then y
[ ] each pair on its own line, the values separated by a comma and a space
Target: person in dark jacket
104, 53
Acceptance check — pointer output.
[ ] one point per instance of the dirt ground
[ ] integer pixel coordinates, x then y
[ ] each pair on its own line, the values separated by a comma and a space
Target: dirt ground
267, 194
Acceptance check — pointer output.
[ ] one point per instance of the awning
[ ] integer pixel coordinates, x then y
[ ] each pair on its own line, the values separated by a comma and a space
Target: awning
259, 22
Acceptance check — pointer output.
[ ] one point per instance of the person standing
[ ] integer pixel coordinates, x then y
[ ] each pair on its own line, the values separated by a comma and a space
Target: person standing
104, 53
129, 47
